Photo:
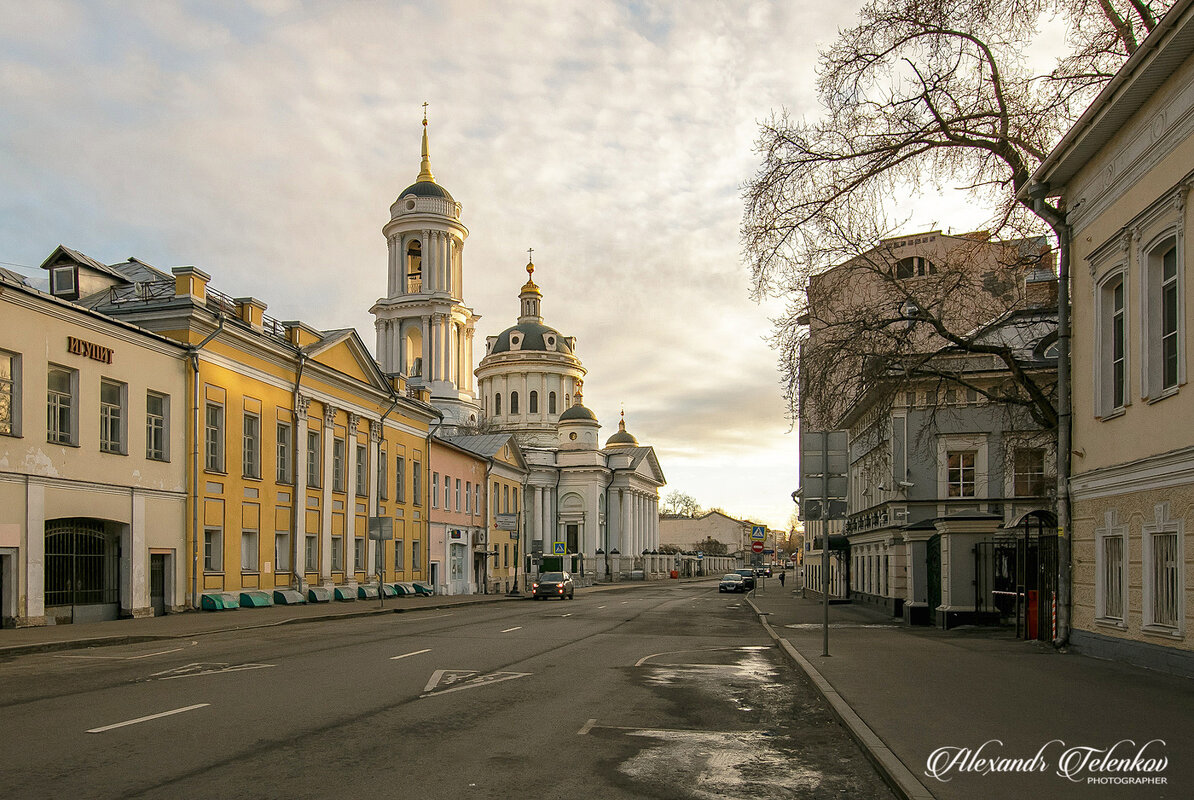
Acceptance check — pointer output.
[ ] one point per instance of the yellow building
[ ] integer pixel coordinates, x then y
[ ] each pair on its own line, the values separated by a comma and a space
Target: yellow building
295, 439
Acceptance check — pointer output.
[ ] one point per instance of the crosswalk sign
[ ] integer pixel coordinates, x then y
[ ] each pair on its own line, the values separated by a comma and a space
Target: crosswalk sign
758, 533
557, 548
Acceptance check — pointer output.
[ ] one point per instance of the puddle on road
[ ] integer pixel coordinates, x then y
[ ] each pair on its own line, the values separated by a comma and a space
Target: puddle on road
719, 766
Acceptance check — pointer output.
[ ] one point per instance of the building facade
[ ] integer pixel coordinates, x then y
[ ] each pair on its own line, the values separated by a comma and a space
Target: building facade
1124, 173
295, 439
92, 458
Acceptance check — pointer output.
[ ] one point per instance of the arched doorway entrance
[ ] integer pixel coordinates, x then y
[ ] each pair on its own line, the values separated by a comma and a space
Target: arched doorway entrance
82, 559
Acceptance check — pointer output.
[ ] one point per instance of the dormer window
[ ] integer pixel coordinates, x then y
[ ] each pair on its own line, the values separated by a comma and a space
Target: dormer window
64, 282
515, 341
914, 267
551, 341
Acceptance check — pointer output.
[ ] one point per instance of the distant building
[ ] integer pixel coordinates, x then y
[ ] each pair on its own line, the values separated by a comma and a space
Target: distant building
1124, 173
584, 508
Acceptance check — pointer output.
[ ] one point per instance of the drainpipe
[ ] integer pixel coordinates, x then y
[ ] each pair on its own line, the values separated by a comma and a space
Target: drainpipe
485, 561
1057, 221
193, 357
427, 482
613, 473
295, 508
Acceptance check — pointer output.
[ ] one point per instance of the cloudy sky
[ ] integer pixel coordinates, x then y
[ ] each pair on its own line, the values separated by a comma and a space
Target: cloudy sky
264, 142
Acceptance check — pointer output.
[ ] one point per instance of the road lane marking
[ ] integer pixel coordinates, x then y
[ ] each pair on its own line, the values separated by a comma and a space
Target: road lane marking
515, 628
645, 659
119, 658
194, 670
460, 679
588, 726
408, 655
147, 719
601, 606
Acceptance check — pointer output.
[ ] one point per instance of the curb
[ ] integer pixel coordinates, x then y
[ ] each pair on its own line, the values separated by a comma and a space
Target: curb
897, 776
116, 641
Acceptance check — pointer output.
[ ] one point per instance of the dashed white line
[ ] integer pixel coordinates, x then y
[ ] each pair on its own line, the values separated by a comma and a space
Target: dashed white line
601, 606
588, 726
408, 655
148, 718
515, 628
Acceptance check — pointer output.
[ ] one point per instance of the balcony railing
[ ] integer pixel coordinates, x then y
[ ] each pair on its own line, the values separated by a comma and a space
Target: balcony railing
142, 292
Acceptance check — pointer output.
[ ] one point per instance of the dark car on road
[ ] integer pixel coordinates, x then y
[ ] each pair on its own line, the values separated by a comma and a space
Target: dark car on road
553, 584
731, 582
748, 577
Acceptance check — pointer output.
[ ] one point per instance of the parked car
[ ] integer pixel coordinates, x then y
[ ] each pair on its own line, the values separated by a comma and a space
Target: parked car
748, 577
553, 584
731, 582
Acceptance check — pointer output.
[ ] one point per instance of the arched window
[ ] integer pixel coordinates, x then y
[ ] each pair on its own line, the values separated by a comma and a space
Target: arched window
414, 267
533, 403
513, 402
551, 403
497, 404
567, 401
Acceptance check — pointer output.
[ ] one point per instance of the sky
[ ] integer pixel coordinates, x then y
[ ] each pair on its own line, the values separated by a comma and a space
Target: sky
263, 141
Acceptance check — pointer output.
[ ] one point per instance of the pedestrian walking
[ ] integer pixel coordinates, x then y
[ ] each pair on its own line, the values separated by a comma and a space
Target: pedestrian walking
782, 575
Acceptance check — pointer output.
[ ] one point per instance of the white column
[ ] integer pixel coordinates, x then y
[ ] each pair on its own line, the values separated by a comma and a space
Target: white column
35, 552
299, 500
428, 269
371, 504
329, 433
426, 323
536, 512
138, 558
350, 503
444, 262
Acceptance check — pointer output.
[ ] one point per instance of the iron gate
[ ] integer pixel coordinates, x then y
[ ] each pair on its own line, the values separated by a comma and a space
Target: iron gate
82, 564
1016, 578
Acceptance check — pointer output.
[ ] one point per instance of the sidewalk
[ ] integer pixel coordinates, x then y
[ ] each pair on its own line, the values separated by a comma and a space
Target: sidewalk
18, 641
908, 692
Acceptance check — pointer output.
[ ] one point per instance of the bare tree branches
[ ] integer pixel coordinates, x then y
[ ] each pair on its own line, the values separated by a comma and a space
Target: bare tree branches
919, 93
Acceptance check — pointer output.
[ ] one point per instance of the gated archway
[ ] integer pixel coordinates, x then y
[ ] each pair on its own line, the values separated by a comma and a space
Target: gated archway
82, 581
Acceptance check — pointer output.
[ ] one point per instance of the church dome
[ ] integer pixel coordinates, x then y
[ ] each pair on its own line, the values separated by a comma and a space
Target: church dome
578, 411
426, 189
622, 437
531, 336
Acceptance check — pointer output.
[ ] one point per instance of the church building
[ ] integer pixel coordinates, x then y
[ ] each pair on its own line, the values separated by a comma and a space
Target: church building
587, 508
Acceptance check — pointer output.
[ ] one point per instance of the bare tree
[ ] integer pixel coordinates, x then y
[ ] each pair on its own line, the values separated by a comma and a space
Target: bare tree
681, 505
922, 93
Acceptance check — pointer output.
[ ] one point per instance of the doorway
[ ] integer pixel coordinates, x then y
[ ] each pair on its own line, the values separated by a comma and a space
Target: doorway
157, 583
82, 578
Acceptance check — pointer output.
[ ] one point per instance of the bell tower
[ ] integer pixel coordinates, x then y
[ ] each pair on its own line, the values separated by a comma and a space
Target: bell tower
424, 330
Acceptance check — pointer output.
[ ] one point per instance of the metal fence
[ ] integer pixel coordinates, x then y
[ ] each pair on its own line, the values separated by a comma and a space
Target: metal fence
1016, 579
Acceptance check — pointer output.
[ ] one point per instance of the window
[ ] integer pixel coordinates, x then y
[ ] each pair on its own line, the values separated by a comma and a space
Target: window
1112, 364
213, 438
514, 499
60, 401
1029, 473
383, 489
914, 267
435, 490
1110, 568
400, 469
416, 554
248, 551
551, 403
414, 267
112, 396
313, 460
337, 553
63, 281
399, 555
506, 499
477, 508
417, 483
157, 414
468, 491
1163, 568
358, 554
311, 552
1163, 319
362, 481
337, 464
213, 550
458, 494
447, 492
282, 551
513, 402
960, 473
10, 393
497, 497
506, 556
497, 404
251, 451
533, 403
284, 453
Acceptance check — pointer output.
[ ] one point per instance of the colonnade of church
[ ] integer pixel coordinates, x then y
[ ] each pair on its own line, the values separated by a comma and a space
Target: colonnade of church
633, 522
543, 384
446, 352
441, 260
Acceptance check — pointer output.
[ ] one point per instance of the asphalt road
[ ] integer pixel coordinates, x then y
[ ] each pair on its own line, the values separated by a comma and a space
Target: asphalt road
661, 692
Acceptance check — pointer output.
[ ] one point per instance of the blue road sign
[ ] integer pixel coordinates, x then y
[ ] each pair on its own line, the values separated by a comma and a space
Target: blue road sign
558, 548
758, 533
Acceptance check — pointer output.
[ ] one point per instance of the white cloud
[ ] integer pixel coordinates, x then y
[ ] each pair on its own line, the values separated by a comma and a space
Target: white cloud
265, 143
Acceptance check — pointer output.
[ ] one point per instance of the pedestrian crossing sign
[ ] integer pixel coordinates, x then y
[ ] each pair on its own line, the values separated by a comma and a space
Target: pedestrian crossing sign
557, 548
